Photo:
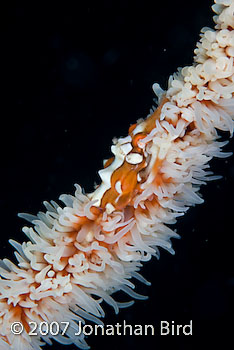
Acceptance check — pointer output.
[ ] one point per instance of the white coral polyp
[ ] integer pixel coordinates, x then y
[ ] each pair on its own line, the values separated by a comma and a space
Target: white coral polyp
80, 254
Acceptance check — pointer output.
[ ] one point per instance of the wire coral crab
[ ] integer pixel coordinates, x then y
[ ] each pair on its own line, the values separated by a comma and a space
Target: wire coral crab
83, 252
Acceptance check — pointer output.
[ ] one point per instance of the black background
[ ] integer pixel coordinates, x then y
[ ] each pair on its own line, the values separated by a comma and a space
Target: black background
76, 74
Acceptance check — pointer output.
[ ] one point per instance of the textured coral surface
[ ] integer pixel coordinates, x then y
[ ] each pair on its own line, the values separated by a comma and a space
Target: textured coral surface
89, 248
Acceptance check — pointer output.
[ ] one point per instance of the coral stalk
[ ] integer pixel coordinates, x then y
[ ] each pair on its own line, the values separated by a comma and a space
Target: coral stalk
81, 253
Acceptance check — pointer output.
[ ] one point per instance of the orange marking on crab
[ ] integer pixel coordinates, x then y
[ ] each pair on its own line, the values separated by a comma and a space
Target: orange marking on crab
109, 197
131, 128
109, 162
136, 138
127, 175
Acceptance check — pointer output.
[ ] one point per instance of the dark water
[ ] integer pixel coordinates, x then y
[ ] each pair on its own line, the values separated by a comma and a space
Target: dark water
76, 74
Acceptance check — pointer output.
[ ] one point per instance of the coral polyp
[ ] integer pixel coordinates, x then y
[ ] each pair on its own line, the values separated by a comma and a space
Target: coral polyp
81, 253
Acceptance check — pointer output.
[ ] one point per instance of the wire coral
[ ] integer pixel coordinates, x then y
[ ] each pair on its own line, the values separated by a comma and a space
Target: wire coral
83, 252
